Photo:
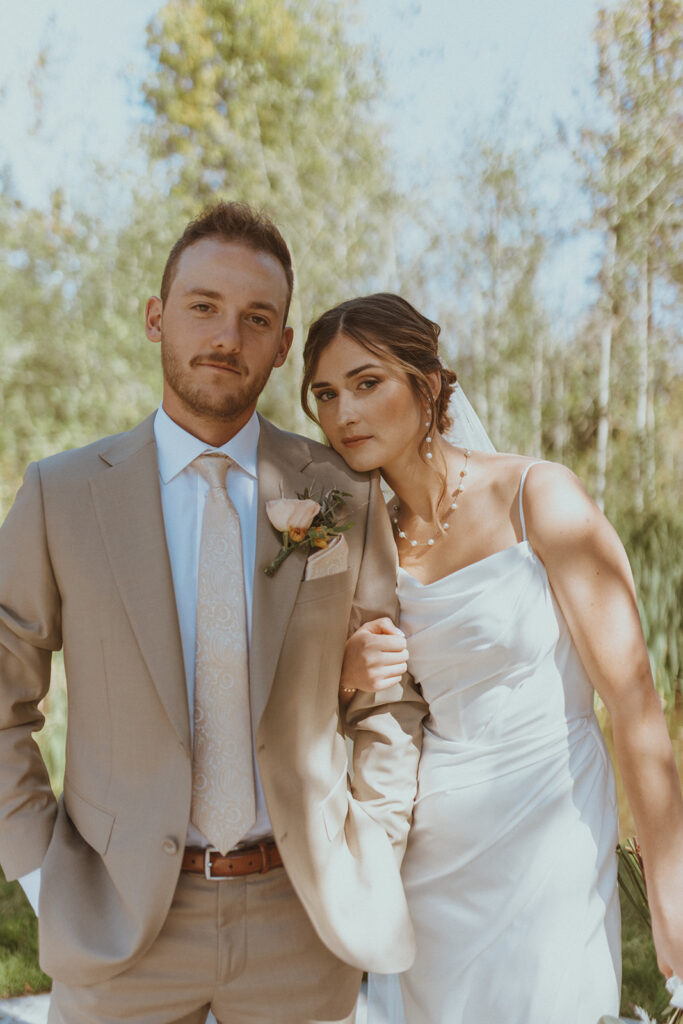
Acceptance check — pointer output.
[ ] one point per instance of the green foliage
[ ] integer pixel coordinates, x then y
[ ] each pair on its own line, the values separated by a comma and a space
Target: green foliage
642, 983
76, 362
496, 330
52, 737
19, 970
654, 544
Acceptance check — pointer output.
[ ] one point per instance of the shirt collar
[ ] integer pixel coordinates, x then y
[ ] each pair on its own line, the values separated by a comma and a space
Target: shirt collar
177, 449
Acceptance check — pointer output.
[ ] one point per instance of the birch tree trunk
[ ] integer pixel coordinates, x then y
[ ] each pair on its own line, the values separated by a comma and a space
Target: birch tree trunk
642, 324
479, 397
537, 396
605, 371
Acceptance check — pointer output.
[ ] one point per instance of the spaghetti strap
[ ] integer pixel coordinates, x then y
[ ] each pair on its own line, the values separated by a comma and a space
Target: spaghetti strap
521, 492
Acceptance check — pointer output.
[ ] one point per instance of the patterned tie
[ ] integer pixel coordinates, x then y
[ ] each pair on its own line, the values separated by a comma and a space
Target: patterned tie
223, 801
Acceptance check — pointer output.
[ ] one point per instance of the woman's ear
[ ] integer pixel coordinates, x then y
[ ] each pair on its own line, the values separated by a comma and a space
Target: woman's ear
435, 383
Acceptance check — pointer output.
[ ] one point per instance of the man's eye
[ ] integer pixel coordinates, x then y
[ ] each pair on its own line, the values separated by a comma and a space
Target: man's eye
202, 307
259, 320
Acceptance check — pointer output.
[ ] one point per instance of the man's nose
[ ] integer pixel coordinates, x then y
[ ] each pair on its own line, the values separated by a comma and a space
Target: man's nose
227, 335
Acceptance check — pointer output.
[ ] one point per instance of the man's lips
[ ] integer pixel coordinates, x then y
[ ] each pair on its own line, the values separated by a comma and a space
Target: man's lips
217, 365
353, 442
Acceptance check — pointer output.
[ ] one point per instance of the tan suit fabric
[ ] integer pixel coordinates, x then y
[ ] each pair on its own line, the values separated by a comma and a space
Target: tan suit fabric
84, 564
245, 947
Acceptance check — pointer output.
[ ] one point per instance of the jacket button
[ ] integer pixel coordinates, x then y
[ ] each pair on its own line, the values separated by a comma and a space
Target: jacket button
170, 846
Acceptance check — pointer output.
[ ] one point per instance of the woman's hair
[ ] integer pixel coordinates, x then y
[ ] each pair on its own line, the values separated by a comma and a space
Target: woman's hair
392, 329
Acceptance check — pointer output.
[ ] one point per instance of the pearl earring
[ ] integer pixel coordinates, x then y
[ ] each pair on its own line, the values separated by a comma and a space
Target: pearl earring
428, 439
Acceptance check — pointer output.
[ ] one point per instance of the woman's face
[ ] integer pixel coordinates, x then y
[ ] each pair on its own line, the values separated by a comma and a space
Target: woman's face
367, 407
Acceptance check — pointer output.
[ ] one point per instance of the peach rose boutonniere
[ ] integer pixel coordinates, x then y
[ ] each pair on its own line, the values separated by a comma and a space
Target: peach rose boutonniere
305, 522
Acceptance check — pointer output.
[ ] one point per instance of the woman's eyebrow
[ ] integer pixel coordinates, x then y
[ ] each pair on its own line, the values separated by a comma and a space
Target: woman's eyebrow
351, 373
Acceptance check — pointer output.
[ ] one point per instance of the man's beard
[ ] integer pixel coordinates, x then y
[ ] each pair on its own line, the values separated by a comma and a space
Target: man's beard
229, 406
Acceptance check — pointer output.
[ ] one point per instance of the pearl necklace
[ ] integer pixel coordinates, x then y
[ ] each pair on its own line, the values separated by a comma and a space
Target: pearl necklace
444, 524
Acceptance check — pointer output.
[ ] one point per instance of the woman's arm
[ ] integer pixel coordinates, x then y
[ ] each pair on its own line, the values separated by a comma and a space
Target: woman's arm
591, 578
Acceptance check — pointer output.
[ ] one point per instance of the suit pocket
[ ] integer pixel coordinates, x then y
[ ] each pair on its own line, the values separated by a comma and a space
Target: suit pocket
93, 822
325, 586
335, 807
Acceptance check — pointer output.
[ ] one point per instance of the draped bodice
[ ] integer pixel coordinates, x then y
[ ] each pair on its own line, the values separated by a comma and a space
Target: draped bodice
497, 665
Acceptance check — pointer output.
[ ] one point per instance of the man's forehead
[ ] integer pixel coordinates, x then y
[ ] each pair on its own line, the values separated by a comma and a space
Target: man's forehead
215, 254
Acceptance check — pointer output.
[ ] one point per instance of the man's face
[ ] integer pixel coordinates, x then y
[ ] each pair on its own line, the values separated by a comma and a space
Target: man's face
221, 333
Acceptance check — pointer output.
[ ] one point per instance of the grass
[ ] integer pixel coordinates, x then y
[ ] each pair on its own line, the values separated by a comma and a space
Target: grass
642, 983
19, 971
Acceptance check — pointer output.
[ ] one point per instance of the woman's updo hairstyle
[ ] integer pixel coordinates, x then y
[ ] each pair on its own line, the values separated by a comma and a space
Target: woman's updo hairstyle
392, 329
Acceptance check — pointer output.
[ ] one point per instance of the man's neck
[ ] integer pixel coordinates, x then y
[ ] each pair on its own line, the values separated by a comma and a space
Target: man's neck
210, 431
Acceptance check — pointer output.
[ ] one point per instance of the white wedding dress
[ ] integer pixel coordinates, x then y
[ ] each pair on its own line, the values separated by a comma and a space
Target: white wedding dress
510, 870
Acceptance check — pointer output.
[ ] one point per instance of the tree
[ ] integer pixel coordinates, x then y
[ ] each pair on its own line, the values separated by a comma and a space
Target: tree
634, 172
76, 361
267, 101
491, 253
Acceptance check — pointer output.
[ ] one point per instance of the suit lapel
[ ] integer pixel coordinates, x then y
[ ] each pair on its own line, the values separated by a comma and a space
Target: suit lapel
281, 462
127, 500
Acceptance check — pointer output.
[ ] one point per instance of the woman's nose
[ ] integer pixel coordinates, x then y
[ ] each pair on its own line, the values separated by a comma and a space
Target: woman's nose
346, 410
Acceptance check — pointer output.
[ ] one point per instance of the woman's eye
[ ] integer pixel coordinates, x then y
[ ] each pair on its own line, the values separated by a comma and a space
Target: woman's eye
368, 384
324, 396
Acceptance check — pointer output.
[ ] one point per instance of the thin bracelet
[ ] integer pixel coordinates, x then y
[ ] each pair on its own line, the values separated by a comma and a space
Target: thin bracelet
347, 689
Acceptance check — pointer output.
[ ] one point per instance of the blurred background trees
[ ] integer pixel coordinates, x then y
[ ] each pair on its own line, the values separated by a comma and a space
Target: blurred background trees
271, 101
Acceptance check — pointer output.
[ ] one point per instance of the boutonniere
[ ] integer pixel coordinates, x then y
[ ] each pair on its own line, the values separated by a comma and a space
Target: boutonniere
305, 522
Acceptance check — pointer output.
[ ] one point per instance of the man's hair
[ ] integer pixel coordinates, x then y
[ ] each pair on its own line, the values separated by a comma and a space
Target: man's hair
232, 222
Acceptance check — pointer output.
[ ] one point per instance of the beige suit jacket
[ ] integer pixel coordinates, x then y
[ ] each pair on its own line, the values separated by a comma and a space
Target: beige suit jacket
84, 564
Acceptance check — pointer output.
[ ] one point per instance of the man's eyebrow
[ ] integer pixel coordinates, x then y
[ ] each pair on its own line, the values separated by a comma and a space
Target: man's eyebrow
262, 304
351, 373
204, 291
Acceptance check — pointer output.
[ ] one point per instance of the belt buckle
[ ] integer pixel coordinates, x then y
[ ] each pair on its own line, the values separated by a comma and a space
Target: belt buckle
207, 866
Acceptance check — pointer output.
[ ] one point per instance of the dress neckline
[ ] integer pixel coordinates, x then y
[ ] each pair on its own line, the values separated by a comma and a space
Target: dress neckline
464, 568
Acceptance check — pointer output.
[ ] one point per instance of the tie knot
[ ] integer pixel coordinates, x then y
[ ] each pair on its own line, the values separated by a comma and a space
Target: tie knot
213, 467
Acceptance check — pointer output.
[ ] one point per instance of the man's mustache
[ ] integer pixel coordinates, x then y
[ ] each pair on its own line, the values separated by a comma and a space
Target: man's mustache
222, 359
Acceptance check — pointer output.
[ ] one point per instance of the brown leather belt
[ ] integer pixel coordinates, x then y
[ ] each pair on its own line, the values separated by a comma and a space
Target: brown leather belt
208, 861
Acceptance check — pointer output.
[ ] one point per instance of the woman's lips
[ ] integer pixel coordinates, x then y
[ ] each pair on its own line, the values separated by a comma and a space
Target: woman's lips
354, 442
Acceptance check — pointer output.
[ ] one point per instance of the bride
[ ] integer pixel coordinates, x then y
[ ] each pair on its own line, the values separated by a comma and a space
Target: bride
516, 603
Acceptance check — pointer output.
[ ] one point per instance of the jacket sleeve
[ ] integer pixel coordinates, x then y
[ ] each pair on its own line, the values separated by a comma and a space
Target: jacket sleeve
30, 630
385, 728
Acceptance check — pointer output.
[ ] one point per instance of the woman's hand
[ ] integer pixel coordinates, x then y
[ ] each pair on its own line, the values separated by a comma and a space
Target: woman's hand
375, 658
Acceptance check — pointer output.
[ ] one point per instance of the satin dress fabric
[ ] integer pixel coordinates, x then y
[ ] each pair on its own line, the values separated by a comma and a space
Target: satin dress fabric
511, 868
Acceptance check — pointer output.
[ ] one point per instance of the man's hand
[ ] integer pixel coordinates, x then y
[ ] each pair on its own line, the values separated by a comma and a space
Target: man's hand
375, 658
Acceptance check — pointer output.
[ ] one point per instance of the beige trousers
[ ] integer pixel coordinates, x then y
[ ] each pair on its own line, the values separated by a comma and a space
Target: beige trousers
243, 947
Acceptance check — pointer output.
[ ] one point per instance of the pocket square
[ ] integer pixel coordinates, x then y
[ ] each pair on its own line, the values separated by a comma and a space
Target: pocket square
328, 561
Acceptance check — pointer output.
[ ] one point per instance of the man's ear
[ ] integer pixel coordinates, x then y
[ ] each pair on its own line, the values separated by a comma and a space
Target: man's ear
153, 311
285, 345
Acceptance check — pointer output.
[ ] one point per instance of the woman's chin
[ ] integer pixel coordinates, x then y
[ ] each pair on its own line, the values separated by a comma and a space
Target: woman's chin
359, 461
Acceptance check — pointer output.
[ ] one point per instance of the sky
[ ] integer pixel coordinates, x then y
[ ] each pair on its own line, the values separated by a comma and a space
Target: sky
448, 64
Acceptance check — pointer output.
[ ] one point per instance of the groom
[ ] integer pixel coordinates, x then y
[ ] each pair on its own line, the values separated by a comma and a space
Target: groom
208, 849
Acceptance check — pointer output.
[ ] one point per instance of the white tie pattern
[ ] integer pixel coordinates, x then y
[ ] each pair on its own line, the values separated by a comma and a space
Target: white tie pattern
223, 797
